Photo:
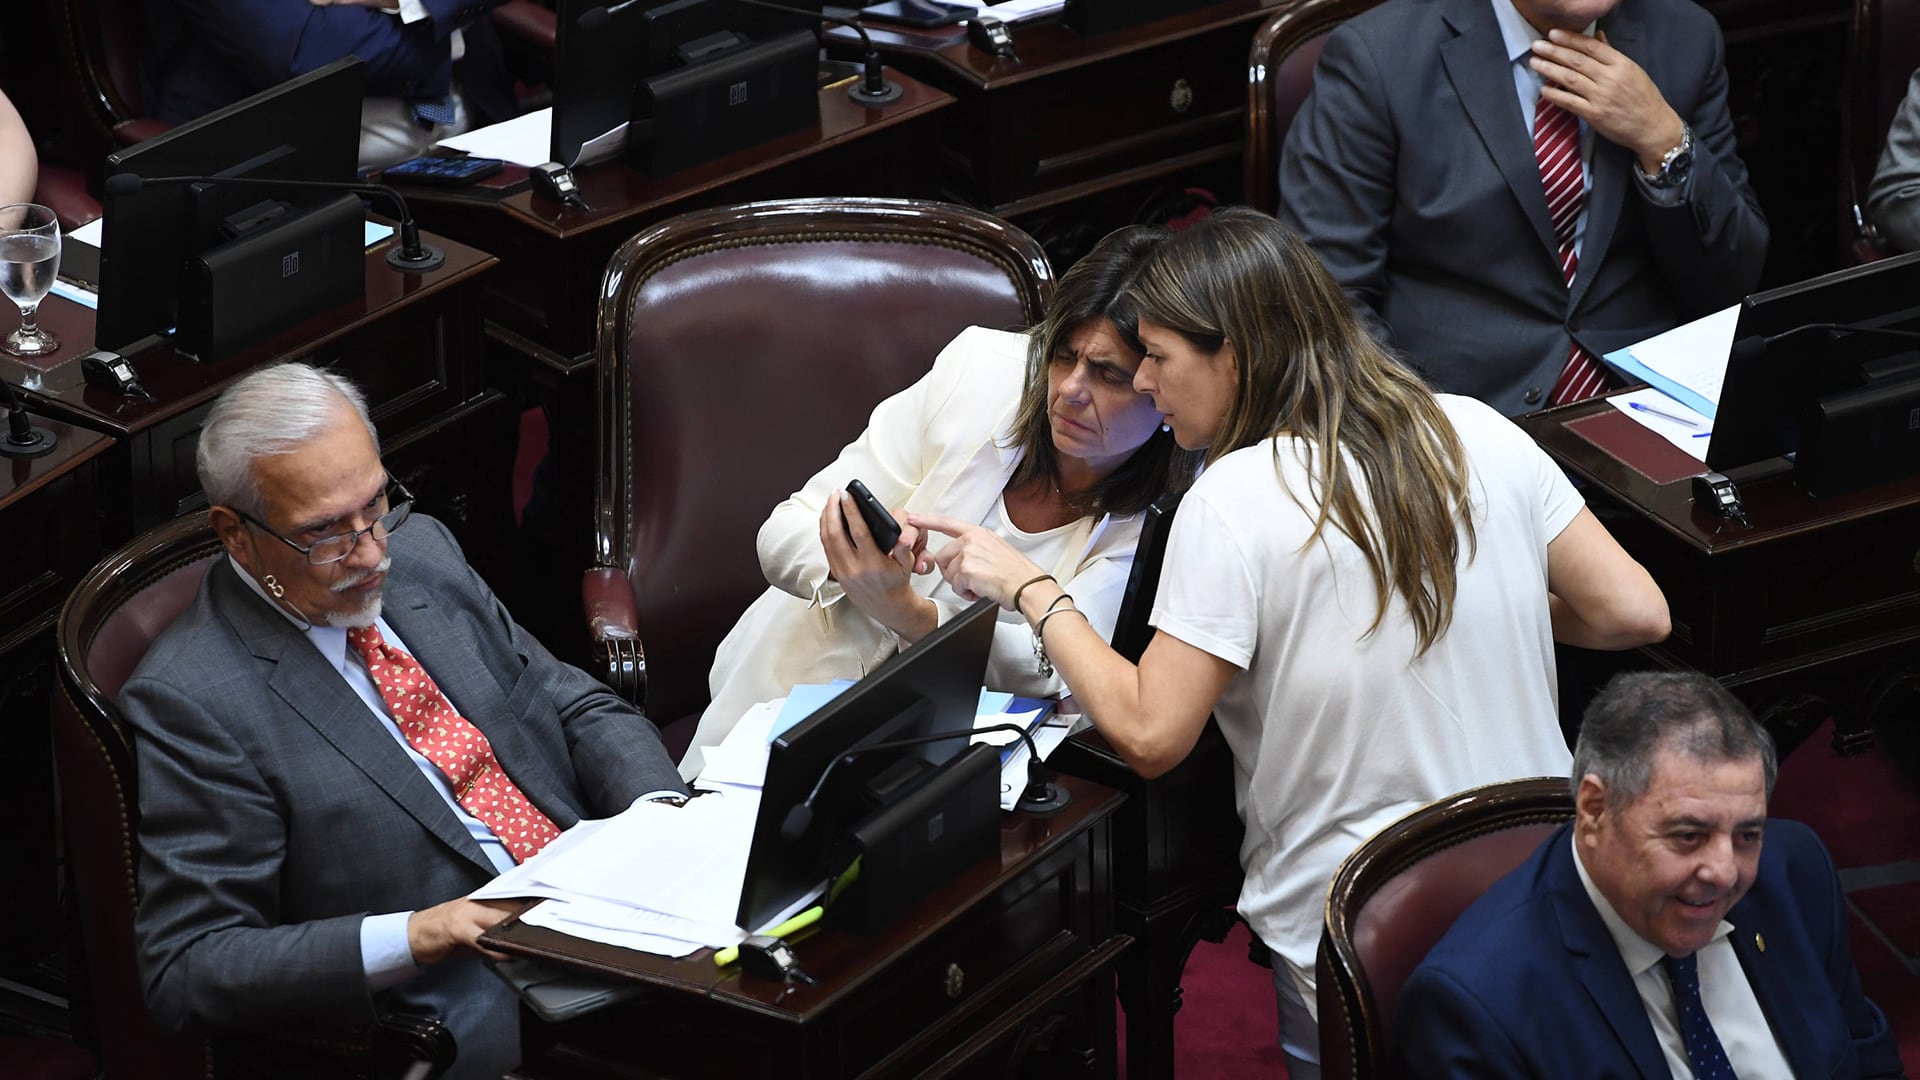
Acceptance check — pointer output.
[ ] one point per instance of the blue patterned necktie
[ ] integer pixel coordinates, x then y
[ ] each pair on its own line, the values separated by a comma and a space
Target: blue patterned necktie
1704, 1052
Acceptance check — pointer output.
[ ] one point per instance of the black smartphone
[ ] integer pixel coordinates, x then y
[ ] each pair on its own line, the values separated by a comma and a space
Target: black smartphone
918, 12
447, 171
885, 530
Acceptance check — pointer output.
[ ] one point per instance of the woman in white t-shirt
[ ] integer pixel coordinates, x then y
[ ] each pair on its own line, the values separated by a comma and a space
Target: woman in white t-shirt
1364, 586
1039, 437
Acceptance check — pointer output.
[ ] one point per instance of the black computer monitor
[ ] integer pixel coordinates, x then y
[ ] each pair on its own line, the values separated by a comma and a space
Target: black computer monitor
307, 128
1790, 372
929, 688
668, 66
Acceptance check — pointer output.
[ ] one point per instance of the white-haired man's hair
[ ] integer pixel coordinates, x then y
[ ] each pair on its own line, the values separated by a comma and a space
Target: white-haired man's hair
271, 411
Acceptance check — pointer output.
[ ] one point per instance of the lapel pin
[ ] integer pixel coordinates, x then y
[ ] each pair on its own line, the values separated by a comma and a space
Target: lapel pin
1760, 943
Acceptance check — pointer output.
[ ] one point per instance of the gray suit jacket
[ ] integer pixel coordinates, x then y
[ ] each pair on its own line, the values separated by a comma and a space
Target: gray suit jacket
276, 811
1893, 202
1411, 173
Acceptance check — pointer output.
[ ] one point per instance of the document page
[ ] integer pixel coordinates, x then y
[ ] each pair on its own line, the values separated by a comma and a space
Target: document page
1687, 362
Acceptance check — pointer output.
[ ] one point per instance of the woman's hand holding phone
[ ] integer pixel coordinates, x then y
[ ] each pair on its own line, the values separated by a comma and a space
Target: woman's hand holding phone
877, 580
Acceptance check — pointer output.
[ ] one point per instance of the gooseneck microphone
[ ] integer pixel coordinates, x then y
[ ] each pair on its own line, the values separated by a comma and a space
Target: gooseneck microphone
1755, 345
23, 439
1041, 796
410, 256
874, 88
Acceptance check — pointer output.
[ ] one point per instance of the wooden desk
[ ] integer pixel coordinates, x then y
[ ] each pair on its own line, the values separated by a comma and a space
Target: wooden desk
544, 300
413, 343
1077, 118
1176, 875
1813, 601
1001, 972
48, 515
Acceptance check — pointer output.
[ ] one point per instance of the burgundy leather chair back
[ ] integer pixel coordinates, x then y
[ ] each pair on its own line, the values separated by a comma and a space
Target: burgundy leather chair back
1396, 896
738, 350
100, 46
1279, 74
105, 628
1883, 50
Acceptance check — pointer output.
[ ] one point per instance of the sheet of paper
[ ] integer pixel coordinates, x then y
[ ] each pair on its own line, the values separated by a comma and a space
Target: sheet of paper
688, 861
1671, 420
1018, 10
377, 232
803, 701
741, 757
1687, 362
90, 232
524, 140
554, 915
992, 702
524, 879
67, 290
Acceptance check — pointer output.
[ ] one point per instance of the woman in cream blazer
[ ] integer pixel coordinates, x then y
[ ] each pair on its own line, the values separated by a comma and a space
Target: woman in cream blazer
954, 443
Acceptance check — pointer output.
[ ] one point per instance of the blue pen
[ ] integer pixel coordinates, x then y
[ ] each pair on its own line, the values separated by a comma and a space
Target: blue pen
1703, 434
1681, 420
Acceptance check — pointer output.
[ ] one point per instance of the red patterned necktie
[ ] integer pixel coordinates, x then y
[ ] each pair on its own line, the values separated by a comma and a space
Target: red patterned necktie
1556, 143
441, 735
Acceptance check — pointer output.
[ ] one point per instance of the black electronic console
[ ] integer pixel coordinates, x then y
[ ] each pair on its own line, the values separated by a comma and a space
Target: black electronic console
259, 189
882, 775
744, 95
1826, 372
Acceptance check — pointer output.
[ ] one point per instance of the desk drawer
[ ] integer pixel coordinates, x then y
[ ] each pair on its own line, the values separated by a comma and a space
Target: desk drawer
1078, 130
1798, 601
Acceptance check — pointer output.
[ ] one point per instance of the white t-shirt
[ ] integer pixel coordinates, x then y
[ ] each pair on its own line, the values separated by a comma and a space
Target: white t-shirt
1335, 734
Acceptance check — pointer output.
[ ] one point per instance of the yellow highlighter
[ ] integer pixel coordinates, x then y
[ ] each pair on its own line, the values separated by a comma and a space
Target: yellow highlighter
792, 926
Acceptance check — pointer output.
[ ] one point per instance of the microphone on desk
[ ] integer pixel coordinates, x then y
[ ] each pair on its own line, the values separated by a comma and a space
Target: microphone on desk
1041, 796
23, 439
1754, 346
410, 256
873, 88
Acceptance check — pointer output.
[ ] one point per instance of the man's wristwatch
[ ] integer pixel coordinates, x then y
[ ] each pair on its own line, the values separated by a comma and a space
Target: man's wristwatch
1675, 165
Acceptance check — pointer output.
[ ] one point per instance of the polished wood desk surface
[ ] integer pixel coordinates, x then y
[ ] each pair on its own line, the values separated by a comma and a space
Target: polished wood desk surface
179, 383
841, 963
21, 477
1776, 508
1048, 46
618, 193
1802, 612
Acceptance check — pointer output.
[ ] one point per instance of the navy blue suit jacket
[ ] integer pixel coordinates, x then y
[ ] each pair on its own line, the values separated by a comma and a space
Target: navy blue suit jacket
203, 54
1529, 983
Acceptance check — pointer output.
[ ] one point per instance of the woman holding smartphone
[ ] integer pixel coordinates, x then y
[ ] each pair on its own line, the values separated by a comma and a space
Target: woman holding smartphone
1039, 438
1364, 586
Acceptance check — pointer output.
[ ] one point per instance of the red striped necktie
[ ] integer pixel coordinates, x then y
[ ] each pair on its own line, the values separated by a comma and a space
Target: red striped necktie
441, 735
1556, 144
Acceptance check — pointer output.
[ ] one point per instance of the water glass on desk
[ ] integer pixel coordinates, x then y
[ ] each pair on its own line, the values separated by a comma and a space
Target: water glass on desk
29, 259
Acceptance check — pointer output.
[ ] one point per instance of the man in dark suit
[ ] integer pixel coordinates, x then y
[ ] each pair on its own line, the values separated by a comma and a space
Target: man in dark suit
1511, 189
433, 67
343, 736
1670, 930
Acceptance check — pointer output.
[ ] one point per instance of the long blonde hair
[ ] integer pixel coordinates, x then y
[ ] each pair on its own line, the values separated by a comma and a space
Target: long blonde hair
1305, 367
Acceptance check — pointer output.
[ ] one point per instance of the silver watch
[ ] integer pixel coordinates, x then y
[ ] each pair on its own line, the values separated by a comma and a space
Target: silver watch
1675, 165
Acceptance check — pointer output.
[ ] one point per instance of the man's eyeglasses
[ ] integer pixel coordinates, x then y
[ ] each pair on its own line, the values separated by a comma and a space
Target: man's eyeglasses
397, 504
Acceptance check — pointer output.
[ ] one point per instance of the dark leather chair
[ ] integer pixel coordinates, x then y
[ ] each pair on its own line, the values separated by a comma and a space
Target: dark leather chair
1396, 896
100, 50
1883, 49
738, 350
108, 622
1279, 74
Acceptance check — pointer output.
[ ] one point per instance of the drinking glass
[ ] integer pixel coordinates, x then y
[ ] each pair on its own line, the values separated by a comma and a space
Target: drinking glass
29, 259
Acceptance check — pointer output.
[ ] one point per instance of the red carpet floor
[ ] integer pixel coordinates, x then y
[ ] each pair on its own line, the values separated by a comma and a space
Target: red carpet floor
1864, 808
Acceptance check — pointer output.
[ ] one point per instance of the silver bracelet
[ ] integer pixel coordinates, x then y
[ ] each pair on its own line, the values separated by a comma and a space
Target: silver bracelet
1042, 665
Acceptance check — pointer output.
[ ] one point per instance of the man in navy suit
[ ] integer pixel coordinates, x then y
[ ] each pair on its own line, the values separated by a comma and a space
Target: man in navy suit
1669, 930
1422, 170
433, 67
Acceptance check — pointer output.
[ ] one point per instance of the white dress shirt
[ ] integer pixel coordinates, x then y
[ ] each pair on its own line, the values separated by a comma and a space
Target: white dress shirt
1735, 1013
